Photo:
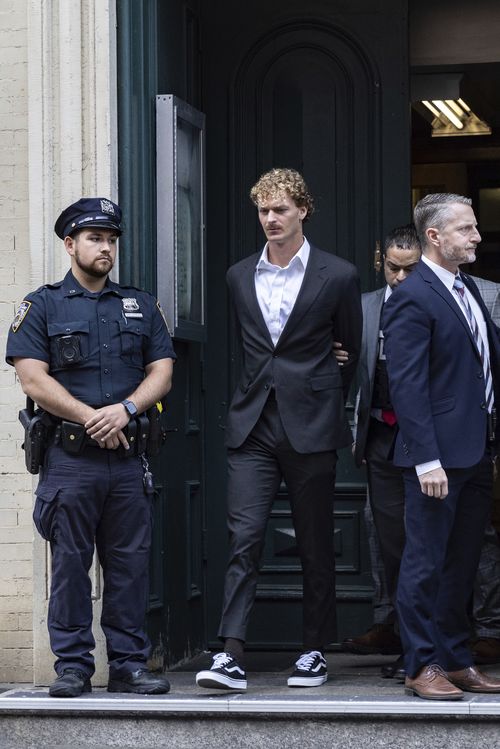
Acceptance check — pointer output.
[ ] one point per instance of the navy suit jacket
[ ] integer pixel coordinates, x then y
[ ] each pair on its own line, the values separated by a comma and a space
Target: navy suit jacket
435, 373
309, 385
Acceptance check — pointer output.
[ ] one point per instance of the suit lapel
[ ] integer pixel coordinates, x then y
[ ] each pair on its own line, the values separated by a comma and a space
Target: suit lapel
249, 295
314, 278
438, 286
372, 314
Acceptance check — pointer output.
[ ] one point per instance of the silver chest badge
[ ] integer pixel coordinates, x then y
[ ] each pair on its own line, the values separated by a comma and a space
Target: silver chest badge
131, 307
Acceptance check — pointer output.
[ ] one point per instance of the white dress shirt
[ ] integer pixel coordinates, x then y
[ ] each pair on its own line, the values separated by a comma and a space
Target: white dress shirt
277, 288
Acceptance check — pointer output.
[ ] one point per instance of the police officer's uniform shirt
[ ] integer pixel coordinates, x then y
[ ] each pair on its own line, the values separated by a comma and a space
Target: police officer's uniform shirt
96, 344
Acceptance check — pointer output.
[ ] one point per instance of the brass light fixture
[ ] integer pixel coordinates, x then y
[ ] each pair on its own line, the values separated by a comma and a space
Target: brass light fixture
454, 117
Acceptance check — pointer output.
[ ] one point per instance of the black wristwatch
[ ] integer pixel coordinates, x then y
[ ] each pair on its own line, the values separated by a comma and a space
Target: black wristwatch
130, 408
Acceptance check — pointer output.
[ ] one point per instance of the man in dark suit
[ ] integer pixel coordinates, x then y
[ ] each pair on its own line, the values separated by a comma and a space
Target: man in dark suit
443, 355
375, 429
286, 419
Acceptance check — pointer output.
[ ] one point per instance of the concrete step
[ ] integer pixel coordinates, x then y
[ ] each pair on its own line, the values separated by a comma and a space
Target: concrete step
355, 708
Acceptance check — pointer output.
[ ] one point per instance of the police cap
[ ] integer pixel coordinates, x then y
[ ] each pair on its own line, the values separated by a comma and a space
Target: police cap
88, 212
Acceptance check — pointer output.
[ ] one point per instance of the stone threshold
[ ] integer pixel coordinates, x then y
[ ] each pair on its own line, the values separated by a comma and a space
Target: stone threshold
35, 701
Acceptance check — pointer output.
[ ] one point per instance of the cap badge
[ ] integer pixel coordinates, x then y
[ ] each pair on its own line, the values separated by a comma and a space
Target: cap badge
107, 207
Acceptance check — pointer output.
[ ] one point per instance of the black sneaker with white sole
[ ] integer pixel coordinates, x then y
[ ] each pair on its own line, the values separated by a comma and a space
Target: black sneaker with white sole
224, 673
310, 670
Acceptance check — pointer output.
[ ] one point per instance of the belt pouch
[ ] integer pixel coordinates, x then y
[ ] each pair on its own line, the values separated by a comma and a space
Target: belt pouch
142, 433
130, 432
72, 437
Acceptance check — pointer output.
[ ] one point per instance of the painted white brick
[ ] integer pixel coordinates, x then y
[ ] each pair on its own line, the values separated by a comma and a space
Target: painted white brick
15, 604
25, 621
8, 519
14, 535
9, 621
16, 568
24, 585
15, 657
17, 639
17, 674
16, 551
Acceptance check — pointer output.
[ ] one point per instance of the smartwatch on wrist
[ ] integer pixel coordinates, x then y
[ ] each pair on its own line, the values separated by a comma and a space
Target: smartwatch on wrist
130, 408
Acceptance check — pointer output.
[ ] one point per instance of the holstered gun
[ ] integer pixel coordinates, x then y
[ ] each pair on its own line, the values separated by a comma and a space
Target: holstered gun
35, 436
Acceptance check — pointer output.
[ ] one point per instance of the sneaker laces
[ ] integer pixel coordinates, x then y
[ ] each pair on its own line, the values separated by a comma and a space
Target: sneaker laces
221, 659
306, 660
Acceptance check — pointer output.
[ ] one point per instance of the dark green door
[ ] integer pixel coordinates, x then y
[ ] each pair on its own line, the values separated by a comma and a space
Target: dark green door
320, 86
152, 38
324, 91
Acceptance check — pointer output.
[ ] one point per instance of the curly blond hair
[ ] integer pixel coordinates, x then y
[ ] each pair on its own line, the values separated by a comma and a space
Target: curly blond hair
278, 181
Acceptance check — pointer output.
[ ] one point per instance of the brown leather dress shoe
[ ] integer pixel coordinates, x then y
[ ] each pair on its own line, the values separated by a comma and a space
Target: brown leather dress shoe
471, 679
379, 640
431, 683
486, 650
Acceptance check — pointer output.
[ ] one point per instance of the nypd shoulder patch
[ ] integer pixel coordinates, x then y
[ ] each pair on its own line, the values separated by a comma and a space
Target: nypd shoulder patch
21, 313
160, 310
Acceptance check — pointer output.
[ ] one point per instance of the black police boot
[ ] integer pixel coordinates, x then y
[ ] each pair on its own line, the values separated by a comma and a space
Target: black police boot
70, 683
139, 682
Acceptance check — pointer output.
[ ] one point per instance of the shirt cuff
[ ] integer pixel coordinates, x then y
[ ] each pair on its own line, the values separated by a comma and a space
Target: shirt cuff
429, 466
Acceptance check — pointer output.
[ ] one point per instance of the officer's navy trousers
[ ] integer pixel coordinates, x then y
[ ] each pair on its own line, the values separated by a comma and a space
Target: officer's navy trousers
96, 498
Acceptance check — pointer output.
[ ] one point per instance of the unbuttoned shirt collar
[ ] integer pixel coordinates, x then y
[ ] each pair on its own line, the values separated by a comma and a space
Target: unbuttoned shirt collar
277, 288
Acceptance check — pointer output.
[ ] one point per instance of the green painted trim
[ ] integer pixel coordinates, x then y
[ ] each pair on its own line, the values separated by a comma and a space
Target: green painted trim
137, 88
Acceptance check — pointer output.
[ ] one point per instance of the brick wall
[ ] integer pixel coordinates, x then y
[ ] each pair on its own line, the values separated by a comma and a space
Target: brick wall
16, 531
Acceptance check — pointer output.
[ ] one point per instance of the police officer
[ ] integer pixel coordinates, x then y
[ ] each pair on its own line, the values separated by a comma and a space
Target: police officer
94, 355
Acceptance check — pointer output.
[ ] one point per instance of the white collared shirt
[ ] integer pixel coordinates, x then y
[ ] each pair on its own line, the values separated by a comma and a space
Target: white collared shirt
277, 288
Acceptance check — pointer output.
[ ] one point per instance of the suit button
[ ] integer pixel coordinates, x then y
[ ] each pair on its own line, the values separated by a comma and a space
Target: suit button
480, 375
275, 356
483, 406
266, 387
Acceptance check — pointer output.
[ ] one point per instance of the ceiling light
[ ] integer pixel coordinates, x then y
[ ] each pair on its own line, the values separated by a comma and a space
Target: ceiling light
454, 117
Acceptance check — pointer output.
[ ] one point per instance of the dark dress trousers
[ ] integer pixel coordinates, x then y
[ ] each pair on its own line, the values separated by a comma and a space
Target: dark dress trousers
286, 420
374, 441
437, 388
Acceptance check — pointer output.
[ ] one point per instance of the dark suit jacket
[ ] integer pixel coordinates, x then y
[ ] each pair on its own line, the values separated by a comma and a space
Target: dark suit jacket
372, 303
435, 373
309, 385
